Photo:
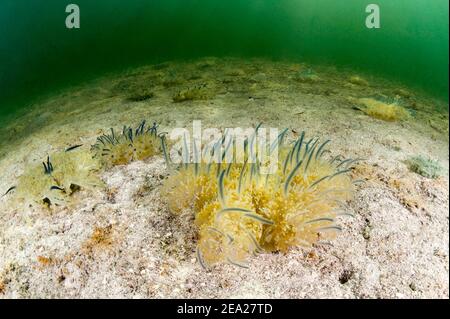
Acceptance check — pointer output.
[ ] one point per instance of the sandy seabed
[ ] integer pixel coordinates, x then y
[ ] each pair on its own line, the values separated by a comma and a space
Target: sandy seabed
122, 242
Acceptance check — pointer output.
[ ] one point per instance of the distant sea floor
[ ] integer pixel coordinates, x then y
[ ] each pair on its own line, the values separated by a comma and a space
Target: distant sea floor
396, 245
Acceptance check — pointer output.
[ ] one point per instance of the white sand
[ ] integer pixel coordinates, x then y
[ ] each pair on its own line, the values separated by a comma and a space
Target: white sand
397, 246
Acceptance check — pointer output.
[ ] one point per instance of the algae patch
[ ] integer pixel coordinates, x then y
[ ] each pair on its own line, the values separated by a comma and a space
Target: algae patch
307, 76
196, 92
61, 175
390, 112
357, 80
425, 166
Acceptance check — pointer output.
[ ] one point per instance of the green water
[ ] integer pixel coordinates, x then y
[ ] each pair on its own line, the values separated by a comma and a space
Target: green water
39, 55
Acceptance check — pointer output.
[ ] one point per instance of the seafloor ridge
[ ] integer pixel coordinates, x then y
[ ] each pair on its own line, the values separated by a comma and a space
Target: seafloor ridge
122, 241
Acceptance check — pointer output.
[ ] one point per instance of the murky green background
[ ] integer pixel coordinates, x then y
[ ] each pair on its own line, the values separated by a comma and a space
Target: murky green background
39, 55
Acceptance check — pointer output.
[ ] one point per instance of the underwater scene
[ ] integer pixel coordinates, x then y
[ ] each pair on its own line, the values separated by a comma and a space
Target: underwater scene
224, 149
